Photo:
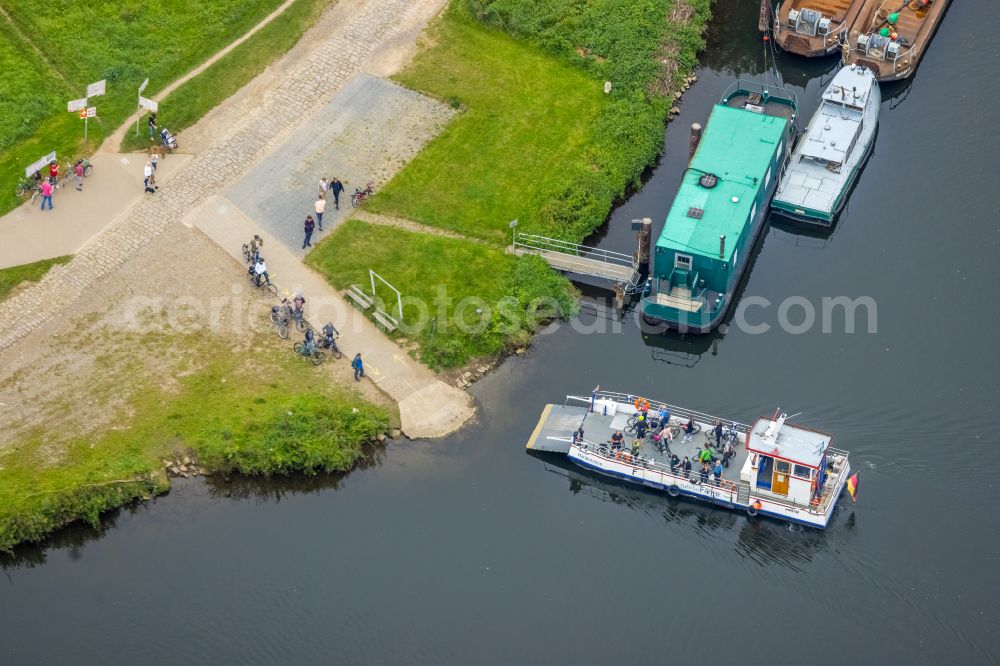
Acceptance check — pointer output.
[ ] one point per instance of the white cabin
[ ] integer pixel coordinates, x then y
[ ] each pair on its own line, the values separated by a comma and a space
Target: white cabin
786, 461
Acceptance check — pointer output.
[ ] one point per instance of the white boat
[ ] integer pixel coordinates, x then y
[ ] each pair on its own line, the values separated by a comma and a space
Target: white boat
829, 155
778, 469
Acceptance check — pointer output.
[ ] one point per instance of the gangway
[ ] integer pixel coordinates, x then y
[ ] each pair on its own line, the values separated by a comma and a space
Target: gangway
580, 259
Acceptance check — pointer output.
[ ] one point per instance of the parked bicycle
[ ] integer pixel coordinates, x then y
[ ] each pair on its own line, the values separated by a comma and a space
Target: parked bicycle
26, 186
362, 194
729, 434
279, 319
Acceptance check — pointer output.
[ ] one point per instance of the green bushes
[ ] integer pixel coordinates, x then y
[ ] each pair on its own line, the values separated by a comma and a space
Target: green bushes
643, 48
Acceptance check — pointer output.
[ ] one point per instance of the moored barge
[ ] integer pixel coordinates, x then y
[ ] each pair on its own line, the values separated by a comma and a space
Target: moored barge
776, 469
890, 37
814, 27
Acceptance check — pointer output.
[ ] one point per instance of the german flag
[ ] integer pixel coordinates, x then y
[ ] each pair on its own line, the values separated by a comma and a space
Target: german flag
853, 486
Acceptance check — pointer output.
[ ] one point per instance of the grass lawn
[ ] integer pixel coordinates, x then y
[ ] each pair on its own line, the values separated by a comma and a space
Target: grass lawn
260, 413
15, 275
83, 42
186, 105
521, 137
447, 279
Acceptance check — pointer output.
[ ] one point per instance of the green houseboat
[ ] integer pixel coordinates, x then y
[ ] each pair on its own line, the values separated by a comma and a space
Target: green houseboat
720, 208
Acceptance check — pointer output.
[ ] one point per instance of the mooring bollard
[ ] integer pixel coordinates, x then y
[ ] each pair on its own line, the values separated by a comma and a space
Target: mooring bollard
695, 139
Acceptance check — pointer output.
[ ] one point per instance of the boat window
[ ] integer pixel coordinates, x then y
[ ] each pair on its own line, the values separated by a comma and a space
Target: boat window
803, 472
753, 212
782, 466
767, 179
683, 262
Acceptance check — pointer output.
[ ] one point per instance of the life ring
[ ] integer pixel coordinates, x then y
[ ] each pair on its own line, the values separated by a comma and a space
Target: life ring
673, 490
753, 509
641, 404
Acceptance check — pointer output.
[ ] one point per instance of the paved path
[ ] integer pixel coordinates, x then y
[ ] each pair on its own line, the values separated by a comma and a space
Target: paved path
29, 234
306, 88
369, 129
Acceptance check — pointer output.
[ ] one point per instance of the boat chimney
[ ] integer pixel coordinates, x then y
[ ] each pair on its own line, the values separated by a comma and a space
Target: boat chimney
695, 140
722, 246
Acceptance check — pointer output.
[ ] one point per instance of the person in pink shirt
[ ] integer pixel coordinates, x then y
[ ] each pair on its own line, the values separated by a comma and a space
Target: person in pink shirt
46, 193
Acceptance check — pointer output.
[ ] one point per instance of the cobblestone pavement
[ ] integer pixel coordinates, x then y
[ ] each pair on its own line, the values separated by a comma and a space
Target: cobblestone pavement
306, 88
367, 131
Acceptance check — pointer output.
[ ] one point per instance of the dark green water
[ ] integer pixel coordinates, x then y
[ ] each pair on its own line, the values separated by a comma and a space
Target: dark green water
470, 551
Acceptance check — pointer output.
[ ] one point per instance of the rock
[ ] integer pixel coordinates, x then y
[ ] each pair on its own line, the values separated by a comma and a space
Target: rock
182, 468
185, 475
186, 460
395, 433
483, 369
167, 463
520, 351
203, 471
173, 471
380, 437
674, 110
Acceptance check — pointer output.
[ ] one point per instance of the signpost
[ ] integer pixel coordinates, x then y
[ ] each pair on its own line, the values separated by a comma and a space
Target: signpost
138, 108
87, 112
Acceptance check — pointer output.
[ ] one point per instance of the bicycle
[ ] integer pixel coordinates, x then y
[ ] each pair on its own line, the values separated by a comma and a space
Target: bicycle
298, 316
360, 195
256, 282
68, 170
26, 185
330, 344
316, 356
279, 321
729, 434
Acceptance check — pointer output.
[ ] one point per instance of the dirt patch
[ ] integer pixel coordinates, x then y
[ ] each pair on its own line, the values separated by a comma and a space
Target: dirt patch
147, 326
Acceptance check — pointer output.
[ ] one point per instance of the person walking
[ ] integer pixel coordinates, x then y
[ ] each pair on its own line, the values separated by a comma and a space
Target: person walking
46, 193
336, 187
308, 228
152, 126
324, 186
320, 207
54, 173
147, 180
359, 367
78, 172
155, 160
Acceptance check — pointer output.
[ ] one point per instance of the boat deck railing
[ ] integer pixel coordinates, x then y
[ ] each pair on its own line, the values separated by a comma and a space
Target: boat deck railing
655, 405
768, 93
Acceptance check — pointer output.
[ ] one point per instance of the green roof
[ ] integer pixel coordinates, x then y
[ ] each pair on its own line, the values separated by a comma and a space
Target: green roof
736, 146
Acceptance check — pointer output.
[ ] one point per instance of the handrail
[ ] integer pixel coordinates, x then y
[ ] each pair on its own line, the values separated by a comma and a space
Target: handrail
775, 91
655, 405
545, 244
649, 463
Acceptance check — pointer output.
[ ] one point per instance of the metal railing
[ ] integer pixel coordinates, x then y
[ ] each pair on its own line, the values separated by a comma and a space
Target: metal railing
623, 456
545, 244
655, 405
767, 92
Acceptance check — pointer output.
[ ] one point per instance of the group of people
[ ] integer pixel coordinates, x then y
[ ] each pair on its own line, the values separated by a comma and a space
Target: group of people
657, 428
327, 187
47, 185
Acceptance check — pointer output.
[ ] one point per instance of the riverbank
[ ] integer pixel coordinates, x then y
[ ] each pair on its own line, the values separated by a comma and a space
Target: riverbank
83, 45
536, 139
17, 276
130, 383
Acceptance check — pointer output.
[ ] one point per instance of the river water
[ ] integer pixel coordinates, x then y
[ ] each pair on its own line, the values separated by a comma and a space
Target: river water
468, 550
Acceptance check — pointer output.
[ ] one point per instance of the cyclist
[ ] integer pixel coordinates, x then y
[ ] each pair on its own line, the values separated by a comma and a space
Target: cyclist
260, 269
310, 342
330, 334
298, 303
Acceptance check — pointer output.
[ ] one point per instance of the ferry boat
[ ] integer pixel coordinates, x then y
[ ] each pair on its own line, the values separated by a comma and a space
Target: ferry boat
719, 210
890, 38
813, 27
829, 155
784, 471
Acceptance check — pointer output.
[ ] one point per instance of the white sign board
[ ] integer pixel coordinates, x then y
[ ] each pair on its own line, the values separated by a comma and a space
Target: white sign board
143, 86
76, 105
91, 111
37, 166
148, 104
95, 89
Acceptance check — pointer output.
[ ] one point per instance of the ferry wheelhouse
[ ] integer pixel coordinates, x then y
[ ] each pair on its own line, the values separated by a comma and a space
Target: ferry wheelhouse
778, 469
720, 208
